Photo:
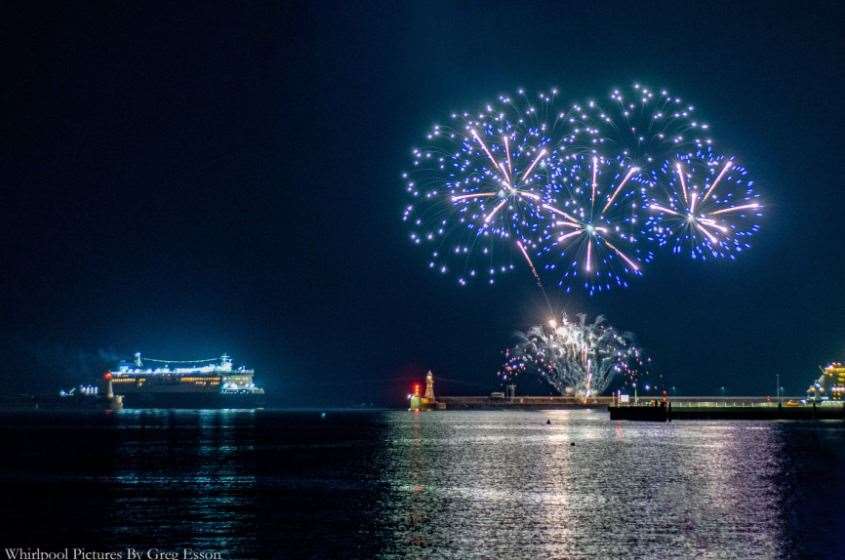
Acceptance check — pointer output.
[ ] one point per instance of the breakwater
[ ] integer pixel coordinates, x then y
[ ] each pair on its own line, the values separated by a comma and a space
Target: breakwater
648, 408
727, 411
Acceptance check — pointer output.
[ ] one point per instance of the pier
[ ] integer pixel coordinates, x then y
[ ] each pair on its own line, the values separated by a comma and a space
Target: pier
677, 408
522, 402
499, 400
726, 410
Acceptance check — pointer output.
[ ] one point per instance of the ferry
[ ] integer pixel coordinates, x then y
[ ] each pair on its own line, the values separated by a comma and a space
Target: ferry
208, 383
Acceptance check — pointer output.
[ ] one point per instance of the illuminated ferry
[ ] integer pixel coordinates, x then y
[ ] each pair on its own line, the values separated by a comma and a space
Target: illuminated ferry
211, 383
830, 385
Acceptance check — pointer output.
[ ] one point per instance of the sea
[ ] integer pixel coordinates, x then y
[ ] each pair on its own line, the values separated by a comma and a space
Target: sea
395, 484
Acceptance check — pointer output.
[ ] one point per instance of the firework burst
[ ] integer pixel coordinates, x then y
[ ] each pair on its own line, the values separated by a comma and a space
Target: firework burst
477, 188
708, 208
593, 226
642, 124
574, 357
575, 193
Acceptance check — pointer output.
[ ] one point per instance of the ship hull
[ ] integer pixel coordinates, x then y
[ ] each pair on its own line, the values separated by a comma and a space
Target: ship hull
206, 400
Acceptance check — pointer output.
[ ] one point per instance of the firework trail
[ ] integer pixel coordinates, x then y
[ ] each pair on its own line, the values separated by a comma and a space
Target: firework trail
574, 357
708, 207
536, 275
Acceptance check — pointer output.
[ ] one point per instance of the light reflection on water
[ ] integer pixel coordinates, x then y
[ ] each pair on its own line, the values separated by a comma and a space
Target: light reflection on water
510, 485
399, 485
193, 484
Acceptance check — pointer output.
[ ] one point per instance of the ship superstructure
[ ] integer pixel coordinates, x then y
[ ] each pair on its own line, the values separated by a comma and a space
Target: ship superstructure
830, 385
205, 382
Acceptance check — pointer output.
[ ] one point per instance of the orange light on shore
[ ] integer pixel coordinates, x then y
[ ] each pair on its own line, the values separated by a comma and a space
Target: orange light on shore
416, 389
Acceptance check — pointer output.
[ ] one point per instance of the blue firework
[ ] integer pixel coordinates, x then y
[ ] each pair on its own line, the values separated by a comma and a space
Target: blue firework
643, 125
478, 186
592, 235
706, 206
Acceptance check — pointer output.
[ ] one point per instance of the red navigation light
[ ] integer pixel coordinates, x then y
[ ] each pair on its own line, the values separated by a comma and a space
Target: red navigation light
416, 389
107, 376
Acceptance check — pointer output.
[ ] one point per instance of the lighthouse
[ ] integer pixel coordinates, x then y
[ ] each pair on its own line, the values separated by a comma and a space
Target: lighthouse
426, 401
115, 402
429, 386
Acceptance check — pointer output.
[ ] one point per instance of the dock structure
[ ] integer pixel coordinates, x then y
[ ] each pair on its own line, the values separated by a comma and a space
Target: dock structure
502, 400
655, 408
713, 410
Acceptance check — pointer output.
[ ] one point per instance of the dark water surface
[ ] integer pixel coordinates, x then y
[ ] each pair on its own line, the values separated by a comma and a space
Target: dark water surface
399, 485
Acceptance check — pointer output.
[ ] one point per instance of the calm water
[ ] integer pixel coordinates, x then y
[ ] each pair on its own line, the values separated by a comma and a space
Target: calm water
400, 485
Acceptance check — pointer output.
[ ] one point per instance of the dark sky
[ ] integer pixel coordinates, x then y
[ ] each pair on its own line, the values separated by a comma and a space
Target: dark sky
191, 180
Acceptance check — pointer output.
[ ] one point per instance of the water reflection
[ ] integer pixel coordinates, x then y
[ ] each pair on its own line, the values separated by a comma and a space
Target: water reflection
471, 484
398, 485
187, 475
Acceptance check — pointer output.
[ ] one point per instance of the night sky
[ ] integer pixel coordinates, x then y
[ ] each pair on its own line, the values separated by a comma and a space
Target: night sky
185, 181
